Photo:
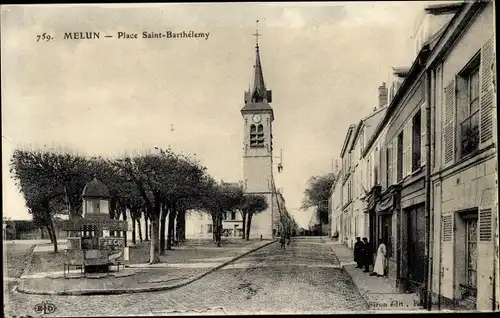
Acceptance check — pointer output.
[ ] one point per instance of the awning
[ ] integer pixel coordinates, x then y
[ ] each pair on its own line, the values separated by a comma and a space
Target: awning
384, 204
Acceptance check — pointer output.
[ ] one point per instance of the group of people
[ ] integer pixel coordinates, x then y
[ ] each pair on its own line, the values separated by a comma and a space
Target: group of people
285, 238
363, 256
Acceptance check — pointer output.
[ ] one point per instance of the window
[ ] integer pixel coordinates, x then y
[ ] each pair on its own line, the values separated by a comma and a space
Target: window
209, 228
416, 142
469, 126
375, 167
233, 216
361, 142
399, 157
253, 136
423, 134
260, 136
368, 173
407, 149
95, 206
389, 164
256, 136
349, 194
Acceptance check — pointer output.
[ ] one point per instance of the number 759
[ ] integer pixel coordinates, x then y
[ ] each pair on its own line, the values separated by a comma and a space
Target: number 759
44, 37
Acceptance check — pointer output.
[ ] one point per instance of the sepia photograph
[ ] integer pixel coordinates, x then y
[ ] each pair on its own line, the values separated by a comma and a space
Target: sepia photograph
179, 159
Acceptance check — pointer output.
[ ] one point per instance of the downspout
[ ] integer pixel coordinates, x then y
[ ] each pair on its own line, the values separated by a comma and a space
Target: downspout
429, 217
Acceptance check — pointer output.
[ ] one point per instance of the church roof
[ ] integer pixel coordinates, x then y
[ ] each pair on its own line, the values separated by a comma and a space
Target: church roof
95, 189
251, 106
259, 92
258, 98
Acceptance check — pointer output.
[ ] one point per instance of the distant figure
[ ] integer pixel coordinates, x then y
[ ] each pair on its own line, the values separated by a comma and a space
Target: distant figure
289, 238
367, 255
282, 241
358, 252
381, 260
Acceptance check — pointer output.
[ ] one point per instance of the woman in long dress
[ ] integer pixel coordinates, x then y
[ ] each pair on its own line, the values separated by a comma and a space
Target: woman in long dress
380, 261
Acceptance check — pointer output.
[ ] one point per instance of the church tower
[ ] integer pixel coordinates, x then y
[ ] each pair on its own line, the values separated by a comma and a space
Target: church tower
258, 148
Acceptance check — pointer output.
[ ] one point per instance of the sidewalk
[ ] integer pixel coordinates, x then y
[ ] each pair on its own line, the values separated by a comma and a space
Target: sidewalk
377, 291
180, 267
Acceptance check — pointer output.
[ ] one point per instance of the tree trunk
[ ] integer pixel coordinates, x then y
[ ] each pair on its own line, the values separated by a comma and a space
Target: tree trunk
244, 216
146, 228
134, 224
163, 221
171, 222
139, 228
214, 227
112, 212
154, 251
249, 225
51, 225
51, 237
219, 229
180, 223
124, 213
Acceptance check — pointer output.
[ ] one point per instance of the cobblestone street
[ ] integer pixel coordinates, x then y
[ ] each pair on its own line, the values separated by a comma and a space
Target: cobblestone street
304, 278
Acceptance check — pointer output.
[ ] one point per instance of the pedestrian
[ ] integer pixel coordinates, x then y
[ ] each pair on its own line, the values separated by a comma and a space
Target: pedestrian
367, 255
358, 252
282, 241
381, 260
289, 238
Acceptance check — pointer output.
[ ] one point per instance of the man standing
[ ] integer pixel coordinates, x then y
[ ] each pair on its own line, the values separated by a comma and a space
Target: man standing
367, 255
358, 252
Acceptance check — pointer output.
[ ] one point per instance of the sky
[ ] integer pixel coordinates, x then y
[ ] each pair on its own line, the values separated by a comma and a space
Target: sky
323, 62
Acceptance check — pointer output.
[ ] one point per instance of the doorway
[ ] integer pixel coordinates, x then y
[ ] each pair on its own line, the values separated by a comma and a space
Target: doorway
416, 247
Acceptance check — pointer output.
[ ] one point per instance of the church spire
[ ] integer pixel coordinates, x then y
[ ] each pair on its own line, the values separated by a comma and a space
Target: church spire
259, 92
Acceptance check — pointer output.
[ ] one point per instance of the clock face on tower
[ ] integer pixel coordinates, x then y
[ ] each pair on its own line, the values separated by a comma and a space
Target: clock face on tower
256, 118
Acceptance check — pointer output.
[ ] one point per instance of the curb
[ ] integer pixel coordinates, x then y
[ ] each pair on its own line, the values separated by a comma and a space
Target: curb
90, 292
27, 267
351, 280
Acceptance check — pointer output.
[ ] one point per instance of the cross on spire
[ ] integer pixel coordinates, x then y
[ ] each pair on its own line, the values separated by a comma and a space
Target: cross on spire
257, 34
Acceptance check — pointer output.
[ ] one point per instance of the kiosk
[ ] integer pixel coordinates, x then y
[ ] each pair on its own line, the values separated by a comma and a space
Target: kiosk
90, 246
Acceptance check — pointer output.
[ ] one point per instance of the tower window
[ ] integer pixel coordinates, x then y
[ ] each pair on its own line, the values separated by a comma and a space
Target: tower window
260, 136
253, 136
256, 136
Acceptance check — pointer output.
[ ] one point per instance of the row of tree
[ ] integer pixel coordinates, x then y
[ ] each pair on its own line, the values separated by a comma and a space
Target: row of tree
317, 194
156, 186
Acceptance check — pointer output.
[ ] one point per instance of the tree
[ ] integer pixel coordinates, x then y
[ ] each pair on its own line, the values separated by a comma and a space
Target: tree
144, 171
217, 200
33, 172
317, 194
251, 204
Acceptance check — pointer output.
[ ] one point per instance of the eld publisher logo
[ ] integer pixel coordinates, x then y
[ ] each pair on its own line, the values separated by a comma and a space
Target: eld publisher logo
45, 308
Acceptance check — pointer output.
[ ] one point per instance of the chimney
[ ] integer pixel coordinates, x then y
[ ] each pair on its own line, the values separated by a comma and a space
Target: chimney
382, 95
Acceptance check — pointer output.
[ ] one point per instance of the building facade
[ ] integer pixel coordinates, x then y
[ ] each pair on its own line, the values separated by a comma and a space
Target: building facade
464, 263
431, 164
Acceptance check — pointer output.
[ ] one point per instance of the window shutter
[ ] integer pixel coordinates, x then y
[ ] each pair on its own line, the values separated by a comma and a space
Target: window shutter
395, 154
447, 228
485, 224
389, 164
409, 133
423, 134
405, 135
449, 122
487, 60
